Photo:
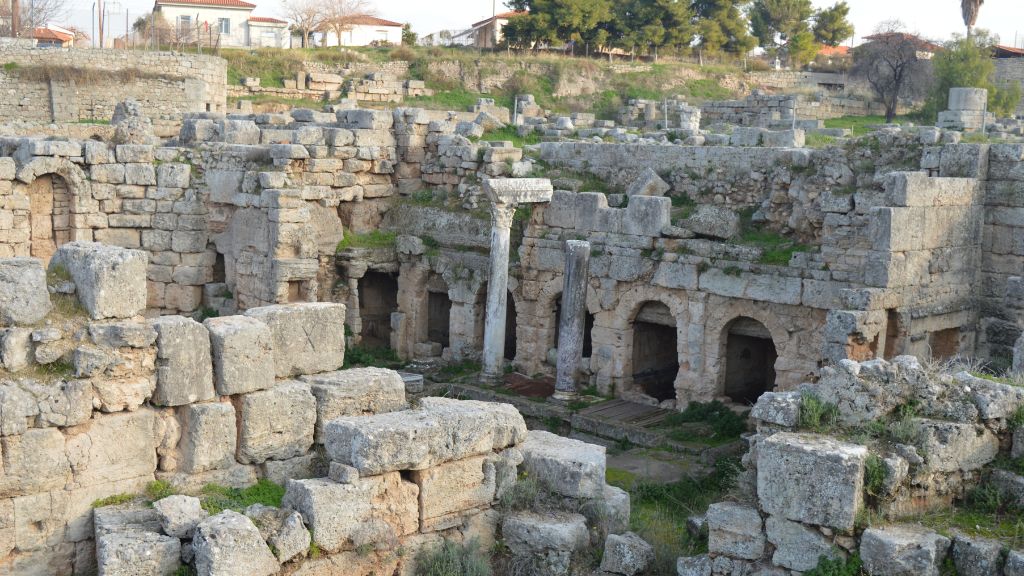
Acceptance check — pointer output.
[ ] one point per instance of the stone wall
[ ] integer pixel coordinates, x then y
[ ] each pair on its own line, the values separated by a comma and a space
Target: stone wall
49, 85
1011, 70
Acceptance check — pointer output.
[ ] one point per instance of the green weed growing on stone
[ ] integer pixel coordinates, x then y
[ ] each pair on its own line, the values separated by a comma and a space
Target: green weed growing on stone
113, 500
849, 566
817, 415
453, 559
159, 489
874, 475
216, 498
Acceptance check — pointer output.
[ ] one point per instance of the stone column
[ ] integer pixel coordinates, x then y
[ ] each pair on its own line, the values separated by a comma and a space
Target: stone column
571, 324
505, 195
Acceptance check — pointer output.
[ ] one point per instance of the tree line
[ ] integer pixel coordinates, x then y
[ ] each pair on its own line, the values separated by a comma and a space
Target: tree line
791, 29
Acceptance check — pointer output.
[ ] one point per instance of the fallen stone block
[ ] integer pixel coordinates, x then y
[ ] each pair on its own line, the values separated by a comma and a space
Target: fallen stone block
694, 566
509, 428
903, 551
275, 424
179, 515
797, 547
355, 392
282, 529
133, 553
243, 355
184, 371
369, 511
1014, 564
713, 222
627, 554
545, 543
229, 544
811, 479
566, 466
977, 556
735, 530
310, 465
110, 282
952, 446
307, 338
114, 519
778, 408
24, 298
648, 184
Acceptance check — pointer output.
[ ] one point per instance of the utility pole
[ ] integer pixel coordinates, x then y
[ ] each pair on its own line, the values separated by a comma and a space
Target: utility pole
15, 18
99, 19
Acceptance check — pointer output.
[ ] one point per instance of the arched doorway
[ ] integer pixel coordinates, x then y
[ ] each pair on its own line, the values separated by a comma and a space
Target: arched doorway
655, 352
378, 298
750, 357
49, 215
439, 314
510, 328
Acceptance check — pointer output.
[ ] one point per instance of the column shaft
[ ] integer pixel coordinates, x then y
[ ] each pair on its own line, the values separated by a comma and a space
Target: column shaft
497, 290
572, 322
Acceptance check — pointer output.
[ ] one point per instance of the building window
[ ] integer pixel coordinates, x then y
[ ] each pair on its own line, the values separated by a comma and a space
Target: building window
225, 25
184, 24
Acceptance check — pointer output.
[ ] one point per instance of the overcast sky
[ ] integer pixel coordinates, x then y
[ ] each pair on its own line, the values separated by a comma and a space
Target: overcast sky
935, 19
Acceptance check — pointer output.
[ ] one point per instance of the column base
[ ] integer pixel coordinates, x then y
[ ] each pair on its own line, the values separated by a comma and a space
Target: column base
563, 396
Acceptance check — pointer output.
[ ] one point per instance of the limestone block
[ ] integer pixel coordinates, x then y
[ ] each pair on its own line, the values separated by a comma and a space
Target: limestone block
811, 479
713, 222
952, 446
179, 515
207, 436
903, 551
646, 216
355, 392
797, 547
307, 338
184, 365
111, 448
735, 530
15, 352
119, 519
243, 354
993, 399
33, 462
977, 556
1014, 564
110, 282
310, 465
134, 553
276, 423
17, 406
545, 543
615, 510
694, 566
282, 529
229, 544
778, 408
373, 510
565, 466
970, 99
24, 298
441, 430
648, 184
449, 490
627, 554
122, 334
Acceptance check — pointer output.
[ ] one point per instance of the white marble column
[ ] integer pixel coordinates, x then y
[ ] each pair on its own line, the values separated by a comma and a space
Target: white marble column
571, 324
505, 195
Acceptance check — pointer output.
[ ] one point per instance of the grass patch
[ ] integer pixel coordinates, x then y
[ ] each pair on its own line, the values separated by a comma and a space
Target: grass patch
848, 566
374, 239
457, 99
659, 511
984, 513
1016, 420
458, 370
723, 424
159, 489
861, 125
216, 498
283, 101
453, 559
776, 249
817, 415
815, 140
273, 66
113, 500
708, 89
509, 133
364, 356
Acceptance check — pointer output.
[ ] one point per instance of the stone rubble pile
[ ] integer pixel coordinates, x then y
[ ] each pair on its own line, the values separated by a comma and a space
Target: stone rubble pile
807, 496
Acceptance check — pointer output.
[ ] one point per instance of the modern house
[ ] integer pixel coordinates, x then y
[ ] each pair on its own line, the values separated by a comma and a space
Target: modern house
53, 37
222, 22
485, 33
365, 31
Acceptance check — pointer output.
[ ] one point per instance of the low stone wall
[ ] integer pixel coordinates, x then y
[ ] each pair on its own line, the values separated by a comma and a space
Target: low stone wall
49, 85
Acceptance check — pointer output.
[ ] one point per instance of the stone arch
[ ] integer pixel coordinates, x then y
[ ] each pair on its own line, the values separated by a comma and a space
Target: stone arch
717, 338
749, 354
56, 191
618, 328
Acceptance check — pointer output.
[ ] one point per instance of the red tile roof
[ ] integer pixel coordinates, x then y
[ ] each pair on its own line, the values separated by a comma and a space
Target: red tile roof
919, 42
373, 21
834, 51
266, 20
1008, 52
209, 3
502, 16
50, 34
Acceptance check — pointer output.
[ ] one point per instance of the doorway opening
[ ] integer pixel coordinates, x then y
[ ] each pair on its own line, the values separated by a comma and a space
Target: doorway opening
750, 357
655, 352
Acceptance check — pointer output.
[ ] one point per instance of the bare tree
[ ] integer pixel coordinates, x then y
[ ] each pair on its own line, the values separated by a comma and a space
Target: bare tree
341, 15
31, 15
970, 10
306, 16
893, 64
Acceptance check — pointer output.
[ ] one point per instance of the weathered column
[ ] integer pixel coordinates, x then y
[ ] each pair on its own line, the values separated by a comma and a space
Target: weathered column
505, 195
575, 277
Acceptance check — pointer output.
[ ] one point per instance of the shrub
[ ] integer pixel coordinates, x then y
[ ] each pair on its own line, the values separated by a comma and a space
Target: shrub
724, 422
159, 489
817, 415
849, 566
874, 475
1016, 420
453, 559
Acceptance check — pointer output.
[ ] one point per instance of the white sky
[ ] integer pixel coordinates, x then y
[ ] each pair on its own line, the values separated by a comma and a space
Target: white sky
935, 19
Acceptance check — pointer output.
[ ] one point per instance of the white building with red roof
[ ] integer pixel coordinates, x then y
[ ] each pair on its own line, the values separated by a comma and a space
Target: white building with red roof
486, 33
366, 30
226, 22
